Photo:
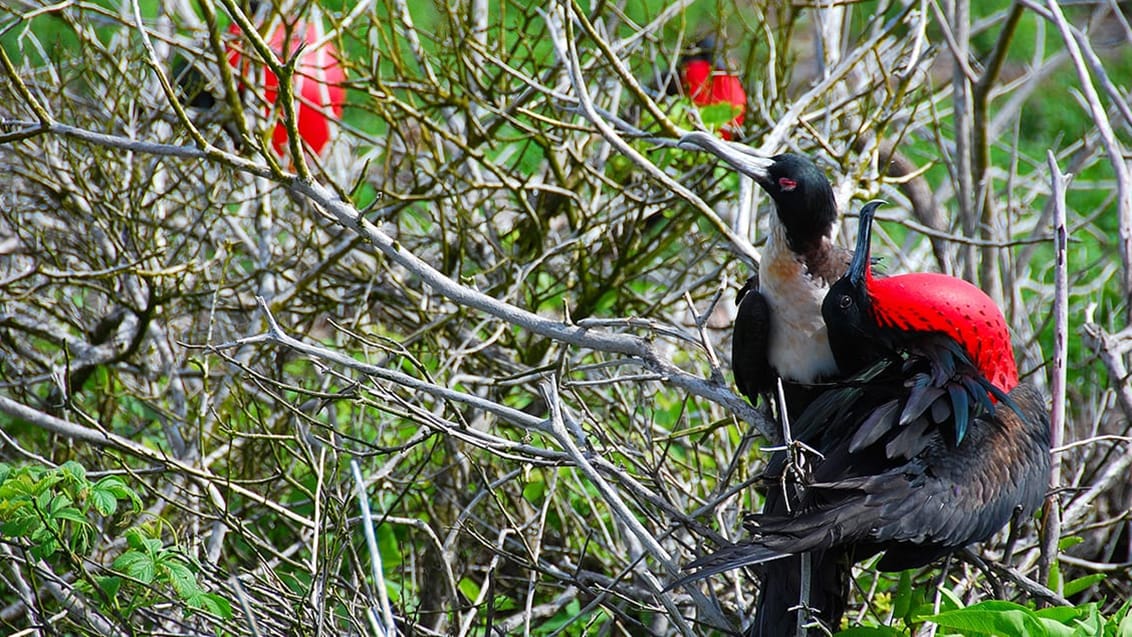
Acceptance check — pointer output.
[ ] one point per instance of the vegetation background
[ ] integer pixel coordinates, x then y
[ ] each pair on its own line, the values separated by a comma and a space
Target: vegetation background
499, 309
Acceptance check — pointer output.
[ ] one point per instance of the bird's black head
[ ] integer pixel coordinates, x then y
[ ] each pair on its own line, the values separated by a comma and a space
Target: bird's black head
803, 199
847, 308
703, 49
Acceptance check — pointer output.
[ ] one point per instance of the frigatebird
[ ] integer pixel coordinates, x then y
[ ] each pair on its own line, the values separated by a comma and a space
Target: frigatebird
930, 444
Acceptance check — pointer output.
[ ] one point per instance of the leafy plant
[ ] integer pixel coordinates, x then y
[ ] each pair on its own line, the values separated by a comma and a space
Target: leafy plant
55, 513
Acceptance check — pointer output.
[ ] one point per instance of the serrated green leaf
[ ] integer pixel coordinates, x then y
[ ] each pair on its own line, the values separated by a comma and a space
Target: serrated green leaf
210, 603
120, 490
44, 545
181, 577
58, 501
137, 565
43, 483
116, 486
21, 526
134, 538
103, 501
73, 471
70, 513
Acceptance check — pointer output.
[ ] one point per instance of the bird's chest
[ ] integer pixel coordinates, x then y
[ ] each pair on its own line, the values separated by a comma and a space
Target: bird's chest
798, 341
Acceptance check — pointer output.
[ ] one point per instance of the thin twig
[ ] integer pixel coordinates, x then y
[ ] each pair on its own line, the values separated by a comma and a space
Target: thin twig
1051, 524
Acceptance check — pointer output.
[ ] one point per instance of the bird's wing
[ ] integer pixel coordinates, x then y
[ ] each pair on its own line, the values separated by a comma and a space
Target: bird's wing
749, 341
901, 403
944, 498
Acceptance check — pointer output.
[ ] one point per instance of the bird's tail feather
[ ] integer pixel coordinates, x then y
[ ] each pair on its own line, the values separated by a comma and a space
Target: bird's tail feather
729, 557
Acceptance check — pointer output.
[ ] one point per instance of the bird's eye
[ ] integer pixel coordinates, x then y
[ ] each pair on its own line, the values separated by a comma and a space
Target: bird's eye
787, 184
845, 302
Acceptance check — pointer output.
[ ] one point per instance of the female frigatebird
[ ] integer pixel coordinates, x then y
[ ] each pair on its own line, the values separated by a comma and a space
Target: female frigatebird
779, 333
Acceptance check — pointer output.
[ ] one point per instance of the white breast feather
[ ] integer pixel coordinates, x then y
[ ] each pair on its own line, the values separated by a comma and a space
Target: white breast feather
799, 343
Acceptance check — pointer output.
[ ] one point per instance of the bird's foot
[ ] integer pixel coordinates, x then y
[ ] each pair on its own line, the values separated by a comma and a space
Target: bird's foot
798, 469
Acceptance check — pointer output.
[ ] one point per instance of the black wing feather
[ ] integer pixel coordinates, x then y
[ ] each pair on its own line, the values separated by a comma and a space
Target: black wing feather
749, 342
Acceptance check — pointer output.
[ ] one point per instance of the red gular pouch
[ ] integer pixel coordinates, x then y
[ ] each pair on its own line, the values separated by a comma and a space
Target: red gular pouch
318, 83
707, 87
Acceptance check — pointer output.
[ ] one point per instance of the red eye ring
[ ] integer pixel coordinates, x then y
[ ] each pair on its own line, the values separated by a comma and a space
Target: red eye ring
787, 184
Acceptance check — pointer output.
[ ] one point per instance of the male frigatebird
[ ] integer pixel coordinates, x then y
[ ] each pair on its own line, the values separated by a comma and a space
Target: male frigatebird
317, 84
931, 443
707, 82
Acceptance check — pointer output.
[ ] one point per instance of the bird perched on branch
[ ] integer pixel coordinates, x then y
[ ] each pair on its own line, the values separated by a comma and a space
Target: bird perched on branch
317, 83
931, 443
708, 84
779, 330
779, 333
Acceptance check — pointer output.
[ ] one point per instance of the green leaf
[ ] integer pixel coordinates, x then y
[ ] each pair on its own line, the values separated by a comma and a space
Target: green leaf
902, 603
70, 513
504, 603
470, 588
110, 585
210, 603
388, 546
44, 545
137, 540
73, 472
138, 565
1069, 542
181, 577
22, 524
43, 500
1072, 587
715, 115
1124, 629
949, 600
104, 495
992, 618
534, 492
104, 502
1054, 580
118, 488
568, 614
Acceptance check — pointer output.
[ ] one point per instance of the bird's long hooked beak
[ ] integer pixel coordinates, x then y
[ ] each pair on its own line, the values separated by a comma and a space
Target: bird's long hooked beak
739, 156
859, 267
